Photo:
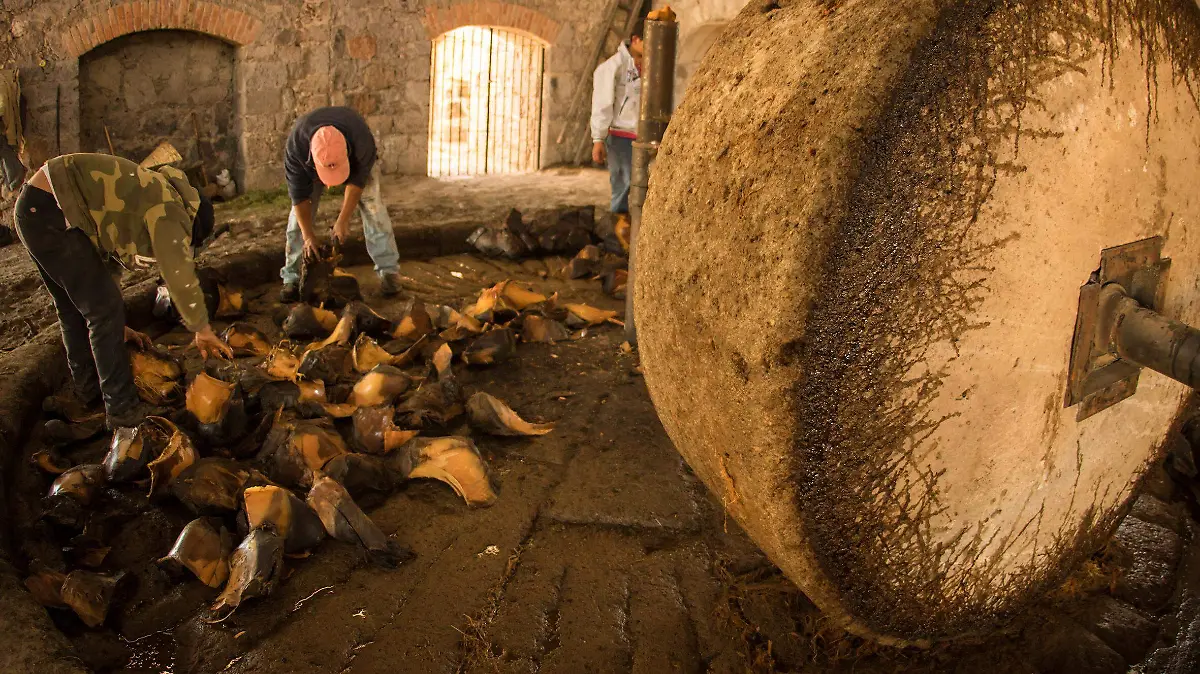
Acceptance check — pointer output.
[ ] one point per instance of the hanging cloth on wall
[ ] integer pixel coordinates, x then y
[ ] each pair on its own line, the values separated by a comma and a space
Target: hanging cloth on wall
10, 106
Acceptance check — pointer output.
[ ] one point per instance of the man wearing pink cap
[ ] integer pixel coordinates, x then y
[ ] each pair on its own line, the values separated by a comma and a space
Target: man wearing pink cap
330, 147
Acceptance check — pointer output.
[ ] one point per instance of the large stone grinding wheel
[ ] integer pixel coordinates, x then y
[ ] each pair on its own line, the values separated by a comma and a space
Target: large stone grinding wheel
858, 276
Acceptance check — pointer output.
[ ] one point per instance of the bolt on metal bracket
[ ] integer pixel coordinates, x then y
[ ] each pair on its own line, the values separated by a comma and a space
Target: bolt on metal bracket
1130, 276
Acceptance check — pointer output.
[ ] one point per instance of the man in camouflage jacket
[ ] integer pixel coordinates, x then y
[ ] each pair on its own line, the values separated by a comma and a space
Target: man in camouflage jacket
81, 217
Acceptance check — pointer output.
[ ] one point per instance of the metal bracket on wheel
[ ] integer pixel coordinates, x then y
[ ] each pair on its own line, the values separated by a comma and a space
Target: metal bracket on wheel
1099, 379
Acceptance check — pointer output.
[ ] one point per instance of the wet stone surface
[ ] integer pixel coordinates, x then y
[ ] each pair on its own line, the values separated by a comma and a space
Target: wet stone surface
1155, 551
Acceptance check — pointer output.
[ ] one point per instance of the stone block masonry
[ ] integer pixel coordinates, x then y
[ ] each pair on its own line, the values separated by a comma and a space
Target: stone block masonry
160, 85
288, 56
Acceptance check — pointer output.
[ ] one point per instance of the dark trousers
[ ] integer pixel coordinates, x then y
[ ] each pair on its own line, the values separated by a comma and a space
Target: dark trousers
12, 171
90, 309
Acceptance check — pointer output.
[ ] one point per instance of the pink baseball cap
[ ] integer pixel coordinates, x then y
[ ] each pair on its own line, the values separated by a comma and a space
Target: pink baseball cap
330, 156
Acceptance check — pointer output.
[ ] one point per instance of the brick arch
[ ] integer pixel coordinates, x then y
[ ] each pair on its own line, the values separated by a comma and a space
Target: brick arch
443, 19
102, 24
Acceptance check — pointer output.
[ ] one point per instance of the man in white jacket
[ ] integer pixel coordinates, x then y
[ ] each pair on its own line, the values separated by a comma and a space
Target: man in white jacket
616, 98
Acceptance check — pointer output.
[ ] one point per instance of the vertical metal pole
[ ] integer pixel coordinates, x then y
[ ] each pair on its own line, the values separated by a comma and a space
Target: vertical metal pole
658, 91
540, 52
434, 81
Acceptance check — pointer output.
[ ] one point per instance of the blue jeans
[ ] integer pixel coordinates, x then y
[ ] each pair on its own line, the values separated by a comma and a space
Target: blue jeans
377, 230
620, 169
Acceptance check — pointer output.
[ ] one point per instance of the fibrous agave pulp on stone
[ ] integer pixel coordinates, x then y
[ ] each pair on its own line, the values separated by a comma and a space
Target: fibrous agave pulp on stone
583, 315
156, 375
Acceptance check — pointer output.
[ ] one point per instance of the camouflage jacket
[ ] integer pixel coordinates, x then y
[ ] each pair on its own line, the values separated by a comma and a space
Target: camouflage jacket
137, 217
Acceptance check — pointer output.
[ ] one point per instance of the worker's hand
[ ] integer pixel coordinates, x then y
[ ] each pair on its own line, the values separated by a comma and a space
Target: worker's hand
210, 345
140, 340
312, 249
341, 230
599, 152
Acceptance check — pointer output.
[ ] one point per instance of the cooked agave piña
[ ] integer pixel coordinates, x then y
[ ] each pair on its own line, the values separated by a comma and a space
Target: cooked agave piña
246, 340
219, 410
203, 548
255, 569
128, 454
454, 460
89, 595
492, 347
178, 455
583, 315
213, 485
346, 522
490, 415
305, 322
292, 519
536, 328
375, 430
296, 449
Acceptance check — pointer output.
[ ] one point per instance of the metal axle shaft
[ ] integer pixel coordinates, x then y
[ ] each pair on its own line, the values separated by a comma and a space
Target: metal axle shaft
1146, 338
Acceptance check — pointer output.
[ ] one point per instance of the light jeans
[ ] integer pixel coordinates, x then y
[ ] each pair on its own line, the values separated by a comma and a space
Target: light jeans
620, 170
377, 230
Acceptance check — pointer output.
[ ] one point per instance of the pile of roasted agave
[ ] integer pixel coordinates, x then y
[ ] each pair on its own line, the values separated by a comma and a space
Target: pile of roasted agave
277, 445
600, 246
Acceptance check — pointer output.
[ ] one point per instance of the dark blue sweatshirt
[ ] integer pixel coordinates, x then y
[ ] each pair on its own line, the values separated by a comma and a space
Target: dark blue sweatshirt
297, 159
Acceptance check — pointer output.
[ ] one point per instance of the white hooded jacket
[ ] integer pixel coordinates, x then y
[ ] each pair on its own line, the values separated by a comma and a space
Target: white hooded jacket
616, 95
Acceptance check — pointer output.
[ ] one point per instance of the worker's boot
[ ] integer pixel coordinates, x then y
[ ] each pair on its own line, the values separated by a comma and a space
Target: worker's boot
290, 294
131, 416
73, 407
59, 433
390, 284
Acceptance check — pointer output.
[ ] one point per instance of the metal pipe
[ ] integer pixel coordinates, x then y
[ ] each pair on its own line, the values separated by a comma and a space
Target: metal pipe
658, 92
1146, 338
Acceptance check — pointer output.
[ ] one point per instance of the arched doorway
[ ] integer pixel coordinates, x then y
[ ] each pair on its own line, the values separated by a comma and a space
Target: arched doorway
151, 86
485, 102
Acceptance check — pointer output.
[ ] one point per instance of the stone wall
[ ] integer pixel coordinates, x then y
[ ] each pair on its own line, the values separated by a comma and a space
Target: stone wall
295, 55
160, 85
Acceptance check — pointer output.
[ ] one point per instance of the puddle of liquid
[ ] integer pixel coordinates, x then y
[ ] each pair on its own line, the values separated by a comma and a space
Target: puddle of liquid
152, 654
